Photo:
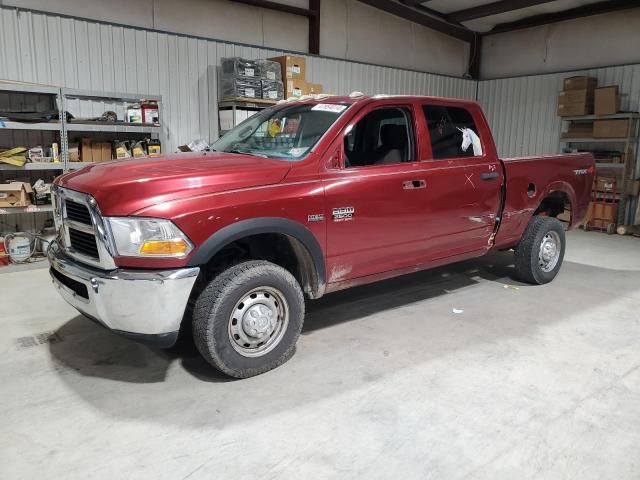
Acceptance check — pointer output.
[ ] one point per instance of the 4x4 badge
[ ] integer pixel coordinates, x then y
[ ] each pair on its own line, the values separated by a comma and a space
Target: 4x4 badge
343, 214
316, 217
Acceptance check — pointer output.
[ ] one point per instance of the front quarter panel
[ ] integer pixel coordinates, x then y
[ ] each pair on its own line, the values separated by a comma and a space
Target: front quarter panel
201, 217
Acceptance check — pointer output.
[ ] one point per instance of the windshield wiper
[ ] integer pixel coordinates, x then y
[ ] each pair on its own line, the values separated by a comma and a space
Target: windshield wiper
247, 152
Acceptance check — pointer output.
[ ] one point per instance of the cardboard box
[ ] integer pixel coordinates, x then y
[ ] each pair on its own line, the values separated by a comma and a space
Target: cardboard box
315, 88
610, 128
296, 88
574, 109
632, 188
74, 152
606, 100
578, 130
86, 154
101, 151
604, 184
582, 95
15, 194
580, 82
292, 67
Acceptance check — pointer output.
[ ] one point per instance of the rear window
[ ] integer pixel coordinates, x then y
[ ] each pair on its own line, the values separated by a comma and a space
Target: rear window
453, 132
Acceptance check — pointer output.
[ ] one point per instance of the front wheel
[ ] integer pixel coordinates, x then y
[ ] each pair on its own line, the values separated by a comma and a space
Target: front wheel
539, 254
248, 319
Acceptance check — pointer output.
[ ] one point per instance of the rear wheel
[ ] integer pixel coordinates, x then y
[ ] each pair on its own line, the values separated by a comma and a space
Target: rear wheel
248, 319
539, 254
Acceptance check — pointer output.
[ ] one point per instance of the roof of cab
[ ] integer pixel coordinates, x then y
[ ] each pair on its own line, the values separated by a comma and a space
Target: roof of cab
357, 97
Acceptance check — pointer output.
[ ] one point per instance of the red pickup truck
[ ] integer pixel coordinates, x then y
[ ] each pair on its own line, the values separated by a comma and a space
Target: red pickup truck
302, 199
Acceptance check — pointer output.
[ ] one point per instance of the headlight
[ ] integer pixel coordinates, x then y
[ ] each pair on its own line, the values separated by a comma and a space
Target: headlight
148, 237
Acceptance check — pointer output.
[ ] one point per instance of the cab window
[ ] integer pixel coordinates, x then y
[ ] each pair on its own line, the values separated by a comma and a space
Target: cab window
383, 136
453, 132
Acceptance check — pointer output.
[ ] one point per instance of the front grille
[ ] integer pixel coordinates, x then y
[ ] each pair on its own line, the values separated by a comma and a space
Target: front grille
75, 286
84, 243
78, 212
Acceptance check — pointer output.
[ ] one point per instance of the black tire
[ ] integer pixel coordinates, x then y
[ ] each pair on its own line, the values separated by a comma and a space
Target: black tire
213, 313
527, 261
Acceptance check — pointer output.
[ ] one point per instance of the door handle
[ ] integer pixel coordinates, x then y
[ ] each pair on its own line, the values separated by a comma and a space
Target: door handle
488, 175
414, 184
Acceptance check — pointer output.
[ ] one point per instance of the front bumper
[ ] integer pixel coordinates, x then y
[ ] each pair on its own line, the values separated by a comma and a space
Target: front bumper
146, 305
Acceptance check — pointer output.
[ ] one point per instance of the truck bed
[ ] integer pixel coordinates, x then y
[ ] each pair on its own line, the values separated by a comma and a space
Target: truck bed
531, 180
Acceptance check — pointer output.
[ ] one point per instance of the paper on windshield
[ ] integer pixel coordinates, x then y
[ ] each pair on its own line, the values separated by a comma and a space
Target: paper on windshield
329, 107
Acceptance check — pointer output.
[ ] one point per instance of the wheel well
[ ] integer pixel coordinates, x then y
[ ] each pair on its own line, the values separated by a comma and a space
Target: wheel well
283, 250
554, 204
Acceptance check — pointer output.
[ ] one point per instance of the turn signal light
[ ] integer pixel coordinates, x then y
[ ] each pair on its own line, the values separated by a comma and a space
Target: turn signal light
175, 247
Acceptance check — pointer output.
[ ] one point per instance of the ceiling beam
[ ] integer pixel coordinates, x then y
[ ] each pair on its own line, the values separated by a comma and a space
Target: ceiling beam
579, 12
416, 15
280, 7
494, 8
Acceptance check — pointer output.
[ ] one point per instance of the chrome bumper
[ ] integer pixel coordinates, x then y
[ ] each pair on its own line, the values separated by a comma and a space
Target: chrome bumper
147, 305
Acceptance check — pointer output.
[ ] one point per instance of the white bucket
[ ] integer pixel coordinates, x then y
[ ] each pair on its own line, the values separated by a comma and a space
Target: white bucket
19, 249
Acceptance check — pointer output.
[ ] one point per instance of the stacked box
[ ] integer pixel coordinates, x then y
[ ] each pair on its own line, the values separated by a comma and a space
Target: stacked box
231, 87
607, 100
577, 97
272, 90
240, 67
269, 70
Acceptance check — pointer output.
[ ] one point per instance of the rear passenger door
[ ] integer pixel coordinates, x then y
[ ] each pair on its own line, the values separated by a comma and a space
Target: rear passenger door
464, 180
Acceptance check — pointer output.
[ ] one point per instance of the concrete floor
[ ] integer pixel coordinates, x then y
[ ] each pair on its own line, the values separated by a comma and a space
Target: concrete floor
526, 382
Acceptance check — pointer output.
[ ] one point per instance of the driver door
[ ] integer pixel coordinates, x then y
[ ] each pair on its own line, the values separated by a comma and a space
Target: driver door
375, 195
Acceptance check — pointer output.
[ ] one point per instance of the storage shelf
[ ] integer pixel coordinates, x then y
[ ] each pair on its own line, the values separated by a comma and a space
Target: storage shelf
26, 87
246, 102
79, 165
108, 96
593, 140
34, 166
10, 125
609, 165
29, 209
121, 128
591, 118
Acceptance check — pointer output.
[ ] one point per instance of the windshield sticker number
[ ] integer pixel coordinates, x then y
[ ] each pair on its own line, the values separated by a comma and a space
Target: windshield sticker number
297, 151
329, 107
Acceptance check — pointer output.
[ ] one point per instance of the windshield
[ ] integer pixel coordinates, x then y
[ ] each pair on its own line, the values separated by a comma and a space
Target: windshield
287, 133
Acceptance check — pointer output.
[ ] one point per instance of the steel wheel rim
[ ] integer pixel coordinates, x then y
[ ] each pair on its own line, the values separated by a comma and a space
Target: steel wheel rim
549, 253
258, 321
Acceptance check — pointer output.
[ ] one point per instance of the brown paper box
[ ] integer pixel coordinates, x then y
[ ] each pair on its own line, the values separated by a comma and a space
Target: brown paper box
580, 82
610, 128
607, 100
15, 194
292, 67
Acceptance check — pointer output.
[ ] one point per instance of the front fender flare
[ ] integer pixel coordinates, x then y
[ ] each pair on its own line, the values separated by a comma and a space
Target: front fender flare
255, 226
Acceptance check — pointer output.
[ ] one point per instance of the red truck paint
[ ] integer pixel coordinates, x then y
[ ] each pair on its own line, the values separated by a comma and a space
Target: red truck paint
393, 230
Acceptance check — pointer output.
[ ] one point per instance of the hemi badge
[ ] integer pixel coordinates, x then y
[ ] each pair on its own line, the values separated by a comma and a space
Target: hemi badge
343, 214
581, 171
316, 217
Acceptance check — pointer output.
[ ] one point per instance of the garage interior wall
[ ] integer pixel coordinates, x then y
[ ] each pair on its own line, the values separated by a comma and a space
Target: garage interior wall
50, 49
522, 111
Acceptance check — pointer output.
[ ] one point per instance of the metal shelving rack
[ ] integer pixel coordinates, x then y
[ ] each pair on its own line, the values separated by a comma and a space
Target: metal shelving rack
243, 104
62, 96
629, 144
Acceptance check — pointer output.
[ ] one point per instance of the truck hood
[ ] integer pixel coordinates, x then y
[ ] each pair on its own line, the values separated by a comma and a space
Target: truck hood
123, 187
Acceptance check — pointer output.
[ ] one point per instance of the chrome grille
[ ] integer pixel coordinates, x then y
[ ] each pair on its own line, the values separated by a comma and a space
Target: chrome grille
84, 243
82, 229
78, 212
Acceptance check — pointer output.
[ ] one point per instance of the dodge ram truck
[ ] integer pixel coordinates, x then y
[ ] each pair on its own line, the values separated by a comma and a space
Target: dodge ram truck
304, 198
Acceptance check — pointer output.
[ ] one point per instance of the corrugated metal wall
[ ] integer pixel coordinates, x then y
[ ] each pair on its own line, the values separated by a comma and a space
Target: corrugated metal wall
84, 54
522, 110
